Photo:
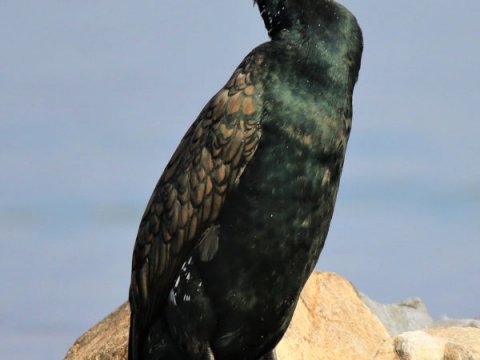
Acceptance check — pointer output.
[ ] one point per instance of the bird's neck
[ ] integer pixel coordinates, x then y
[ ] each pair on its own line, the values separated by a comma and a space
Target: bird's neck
317, 31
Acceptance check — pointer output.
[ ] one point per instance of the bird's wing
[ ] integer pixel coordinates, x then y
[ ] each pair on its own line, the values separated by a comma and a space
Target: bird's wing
188, 197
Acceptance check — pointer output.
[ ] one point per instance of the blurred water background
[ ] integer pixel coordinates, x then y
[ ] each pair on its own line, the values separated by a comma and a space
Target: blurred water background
95, 95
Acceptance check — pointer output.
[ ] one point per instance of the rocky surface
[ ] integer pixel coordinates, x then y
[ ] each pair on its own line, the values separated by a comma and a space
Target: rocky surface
105, 341
433, 344
410, 314
331, 322
447, 322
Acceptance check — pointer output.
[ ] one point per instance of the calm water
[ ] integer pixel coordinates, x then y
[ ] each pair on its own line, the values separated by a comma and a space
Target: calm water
95, 97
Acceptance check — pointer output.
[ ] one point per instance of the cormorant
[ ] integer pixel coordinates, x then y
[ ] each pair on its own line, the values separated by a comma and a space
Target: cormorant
239, 217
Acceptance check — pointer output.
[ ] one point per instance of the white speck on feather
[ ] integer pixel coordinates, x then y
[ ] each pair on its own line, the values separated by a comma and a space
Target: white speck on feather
171, 297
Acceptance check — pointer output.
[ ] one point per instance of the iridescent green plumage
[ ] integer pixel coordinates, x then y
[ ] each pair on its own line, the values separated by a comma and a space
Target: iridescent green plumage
240, 215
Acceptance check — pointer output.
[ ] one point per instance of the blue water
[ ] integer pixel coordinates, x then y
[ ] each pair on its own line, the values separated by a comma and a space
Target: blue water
95, 96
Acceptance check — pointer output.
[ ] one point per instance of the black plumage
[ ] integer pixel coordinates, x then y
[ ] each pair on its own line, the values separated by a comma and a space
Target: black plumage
240, 215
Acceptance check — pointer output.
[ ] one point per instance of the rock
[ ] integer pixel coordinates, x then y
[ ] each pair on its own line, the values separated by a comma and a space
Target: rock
448, 322
413, 345
433, 344
330, 322
105, 341
461, 343
409, 315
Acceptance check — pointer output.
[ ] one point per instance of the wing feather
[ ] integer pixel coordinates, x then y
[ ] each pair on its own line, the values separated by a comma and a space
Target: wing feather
189, 195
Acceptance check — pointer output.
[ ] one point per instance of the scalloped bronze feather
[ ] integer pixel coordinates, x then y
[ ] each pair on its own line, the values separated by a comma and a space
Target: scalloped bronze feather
189, 196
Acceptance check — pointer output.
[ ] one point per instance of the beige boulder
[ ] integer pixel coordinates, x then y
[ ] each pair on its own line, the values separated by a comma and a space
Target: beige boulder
453, 343
105, 341
330, 322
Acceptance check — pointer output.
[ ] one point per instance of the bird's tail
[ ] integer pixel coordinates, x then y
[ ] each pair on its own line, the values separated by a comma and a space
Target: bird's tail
134, 340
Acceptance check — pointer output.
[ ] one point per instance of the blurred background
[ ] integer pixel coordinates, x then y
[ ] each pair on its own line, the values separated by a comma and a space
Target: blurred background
95, 96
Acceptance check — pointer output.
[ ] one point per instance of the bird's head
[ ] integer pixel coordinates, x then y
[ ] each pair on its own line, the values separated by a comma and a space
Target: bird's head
281, 15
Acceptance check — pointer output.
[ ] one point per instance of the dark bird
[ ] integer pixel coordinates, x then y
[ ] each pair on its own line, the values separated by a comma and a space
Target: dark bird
239, 217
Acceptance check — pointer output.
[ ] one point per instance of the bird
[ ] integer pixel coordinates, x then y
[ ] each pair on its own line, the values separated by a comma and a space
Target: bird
239, 217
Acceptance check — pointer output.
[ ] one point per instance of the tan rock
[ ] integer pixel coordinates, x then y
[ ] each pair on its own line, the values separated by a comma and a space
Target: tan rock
433, 344
330, 322
105, 341
462, 343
